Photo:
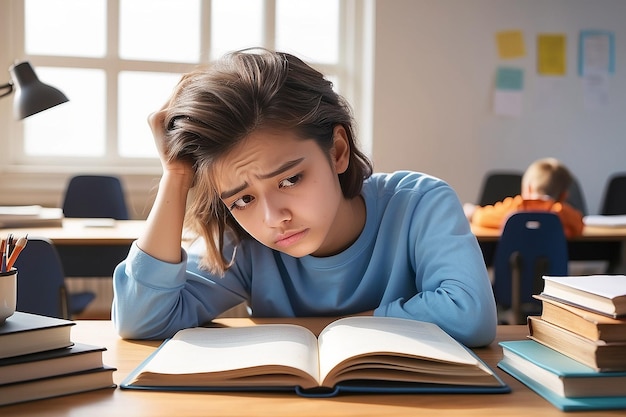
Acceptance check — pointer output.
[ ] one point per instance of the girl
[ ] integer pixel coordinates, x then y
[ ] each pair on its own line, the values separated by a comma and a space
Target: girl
260, 160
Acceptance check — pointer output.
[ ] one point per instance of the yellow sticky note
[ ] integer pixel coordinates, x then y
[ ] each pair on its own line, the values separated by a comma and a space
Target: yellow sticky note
551, 54
510, 44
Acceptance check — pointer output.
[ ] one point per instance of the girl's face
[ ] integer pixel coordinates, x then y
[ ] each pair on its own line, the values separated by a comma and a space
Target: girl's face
284, 191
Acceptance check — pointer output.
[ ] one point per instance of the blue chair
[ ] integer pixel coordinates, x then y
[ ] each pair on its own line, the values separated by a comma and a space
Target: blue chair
100, 196
41, 282
93, 196
532, 244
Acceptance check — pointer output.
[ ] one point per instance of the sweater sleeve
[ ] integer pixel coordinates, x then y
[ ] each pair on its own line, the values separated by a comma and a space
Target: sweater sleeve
453, 288
154, 299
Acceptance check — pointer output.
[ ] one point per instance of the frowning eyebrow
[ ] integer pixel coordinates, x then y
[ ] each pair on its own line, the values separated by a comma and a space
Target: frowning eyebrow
284, 167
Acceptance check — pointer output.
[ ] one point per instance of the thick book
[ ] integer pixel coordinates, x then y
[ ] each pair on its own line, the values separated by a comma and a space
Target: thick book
355, 354
599, 220
56, 386
601, 356
30, 216
604, 294
25, 333
79, 357
586, 323
566, 383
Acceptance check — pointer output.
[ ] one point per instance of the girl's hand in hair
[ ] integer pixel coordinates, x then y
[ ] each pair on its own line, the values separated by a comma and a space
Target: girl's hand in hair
176, 167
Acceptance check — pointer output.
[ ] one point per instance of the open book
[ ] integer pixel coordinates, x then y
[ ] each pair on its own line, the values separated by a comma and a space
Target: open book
355, 354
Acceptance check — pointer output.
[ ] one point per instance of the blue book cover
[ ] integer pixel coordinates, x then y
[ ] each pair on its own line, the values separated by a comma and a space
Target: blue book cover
566, 383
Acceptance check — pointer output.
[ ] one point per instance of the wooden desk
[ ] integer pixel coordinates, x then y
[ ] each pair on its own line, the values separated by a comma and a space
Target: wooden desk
126, 355
590, 234
596, 243
86, 232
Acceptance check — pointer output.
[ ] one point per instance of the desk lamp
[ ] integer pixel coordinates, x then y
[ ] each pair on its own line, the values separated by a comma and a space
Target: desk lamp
31, 95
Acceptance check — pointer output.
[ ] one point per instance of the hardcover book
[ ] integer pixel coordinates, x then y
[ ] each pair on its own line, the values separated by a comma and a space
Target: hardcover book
605, 294
561, 374
79, 357
596, 354
56, 386
25, 333
355, 354
586, 323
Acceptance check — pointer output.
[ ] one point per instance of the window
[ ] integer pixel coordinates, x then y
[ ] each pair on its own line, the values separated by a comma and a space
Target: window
118, 60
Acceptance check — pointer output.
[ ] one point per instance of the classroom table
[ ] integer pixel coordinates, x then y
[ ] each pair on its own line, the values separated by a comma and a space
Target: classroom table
595, 243
88, 247
590, 234
125, 355
89, 232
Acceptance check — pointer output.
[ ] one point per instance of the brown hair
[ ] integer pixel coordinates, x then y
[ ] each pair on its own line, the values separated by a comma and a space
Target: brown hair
548, 176
214, 108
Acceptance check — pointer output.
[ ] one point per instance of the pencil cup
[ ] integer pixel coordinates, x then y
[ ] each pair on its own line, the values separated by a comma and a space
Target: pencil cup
8, 294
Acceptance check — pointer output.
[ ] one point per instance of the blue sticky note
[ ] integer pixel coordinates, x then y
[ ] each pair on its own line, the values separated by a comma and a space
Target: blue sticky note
510, 79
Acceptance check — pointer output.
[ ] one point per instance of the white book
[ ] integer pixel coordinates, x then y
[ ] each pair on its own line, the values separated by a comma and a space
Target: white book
605, 294
598, 220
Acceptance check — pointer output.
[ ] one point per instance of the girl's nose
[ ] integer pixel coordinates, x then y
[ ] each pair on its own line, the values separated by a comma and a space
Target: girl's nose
275, 211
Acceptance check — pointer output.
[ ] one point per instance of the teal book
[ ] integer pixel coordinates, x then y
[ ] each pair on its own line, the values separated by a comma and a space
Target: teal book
566, 383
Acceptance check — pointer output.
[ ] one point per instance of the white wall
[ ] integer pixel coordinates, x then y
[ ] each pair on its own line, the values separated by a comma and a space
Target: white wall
434, 75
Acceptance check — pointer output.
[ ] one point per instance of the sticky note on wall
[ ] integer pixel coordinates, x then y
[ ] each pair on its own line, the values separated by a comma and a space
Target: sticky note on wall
551, 54
510, 44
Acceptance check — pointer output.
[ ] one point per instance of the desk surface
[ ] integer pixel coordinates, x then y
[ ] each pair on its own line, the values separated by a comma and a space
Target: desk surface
86, 232
126, 355
124, 232
590, 233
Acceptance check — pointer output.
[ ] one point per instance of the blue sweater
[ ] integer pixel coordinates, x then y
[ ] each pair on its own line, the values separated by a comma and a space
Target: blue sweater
415, 258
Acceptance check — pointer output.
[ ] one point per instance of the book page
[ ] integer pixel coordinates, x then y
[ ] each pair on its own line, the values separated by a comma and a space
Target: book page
212, 350
357, 336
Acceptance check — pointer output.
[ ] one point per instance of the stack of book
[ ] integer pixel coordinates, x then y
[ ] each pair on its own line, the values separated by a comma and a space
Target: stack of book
576, 355
39, 360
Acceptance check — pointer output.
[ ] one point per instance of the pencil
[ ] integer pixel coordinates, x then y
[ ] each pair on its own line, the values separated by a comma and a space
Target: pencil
3, 254
19, 246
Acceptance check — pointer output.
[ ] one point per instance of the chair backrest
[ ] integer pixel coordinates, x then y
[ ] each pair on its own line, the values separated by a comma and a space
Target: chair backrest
536, 241
497, 185
95, 196
576, 197
41, 280
614, 200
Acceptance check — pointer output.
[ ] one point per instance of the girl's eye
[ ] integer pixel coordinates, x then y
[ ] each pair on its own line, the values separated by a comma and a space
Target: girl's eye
291, 181
242, 202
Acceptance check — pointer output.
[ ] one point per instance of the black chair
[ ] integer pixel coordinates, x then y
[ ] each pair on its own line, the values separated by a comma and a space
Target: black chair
41, 282
613, 203
614, 199
90, 196
576, 198
532, 245
497, 185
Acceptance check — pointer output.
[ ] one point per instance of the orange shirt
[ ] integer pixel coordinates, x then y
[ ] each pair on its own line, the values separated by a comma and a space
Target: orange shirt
494, 216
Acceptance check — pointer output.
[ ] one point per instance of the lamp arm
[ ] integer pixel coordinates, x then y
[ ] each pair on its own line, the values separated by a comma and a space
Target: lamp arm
9, 87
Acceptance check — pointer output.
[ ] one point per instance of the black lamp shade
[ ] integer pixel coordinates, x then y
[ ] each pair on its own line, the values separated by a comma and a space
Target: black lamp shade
31, 95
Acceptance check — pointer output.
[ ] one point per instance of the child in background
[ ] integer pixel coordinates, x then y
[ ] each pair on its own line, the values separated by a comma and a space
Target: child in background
545, 185
260, 160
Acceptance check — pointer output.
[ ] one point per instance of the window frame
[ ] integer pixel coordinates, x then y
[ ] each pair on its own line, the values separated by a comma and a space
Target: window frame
347, 71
